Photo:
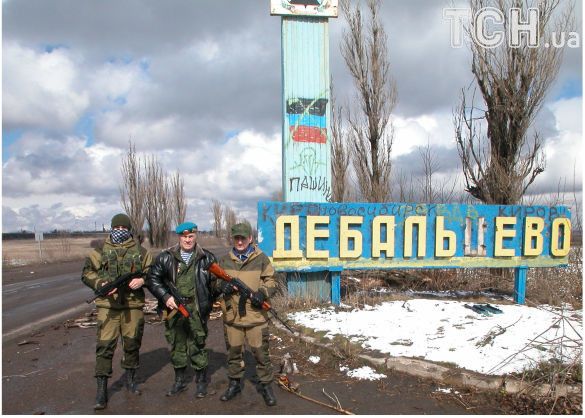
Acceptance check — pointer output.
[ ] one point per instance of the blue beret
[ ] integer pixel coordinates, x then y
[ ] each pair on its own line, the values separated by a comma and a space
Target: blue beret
186, 228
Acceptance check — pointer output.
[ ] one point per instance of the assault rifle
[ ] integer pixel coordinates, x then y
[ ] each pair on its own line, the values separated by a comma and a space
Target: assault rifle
179, 300
244, 290
119, 282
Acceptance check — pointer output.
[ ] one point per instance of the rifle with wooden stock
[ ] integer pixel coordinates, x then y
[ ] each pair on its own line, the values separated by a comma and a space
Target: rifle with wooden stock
179, 301
244, 290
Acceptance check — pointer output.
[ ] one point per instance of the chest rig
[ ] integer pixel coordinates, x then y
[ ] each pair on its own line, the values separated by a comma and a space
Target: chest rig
118, 261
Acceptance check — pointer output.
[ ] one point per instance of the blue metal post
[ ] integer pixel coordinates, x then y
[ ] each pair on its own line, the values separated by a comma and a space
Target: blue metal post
335, 286
520, 274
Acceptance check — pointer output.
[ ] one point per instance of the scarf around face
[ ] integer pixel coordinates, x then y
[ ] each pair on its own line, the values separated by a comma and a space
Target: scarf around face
118, 236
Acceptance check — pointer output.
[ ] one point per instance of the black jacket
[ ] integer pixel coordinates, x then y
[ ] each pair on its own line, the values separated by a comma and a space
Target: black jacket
164, 269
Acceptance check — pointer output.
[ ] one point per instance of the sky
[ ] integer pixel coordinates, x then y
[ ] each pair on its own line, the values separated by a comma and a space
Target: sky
446, 331
198, 84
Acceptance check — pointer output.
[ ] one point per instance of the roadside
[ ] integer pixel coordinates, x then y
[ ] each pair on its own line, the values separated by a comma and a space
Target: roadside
11, 274
64, 372
50, 372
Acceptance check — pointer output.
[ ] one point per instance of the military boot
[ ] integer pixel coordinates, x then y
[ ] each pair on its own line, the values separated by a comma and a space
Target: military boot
101, 399
179, 385
233, 389
131, 385
201, 380
267, 394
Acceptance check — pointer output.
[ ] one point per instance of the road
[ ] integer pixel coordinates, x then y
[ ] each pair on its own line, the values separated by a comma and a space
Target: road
31, 303
34, 303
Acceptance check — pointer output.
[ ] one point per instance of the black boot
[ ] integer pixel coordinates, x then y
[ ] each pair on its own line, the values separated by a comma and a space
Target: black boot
233, 389
267, 394
101, 399
131, 385
179, 385
201, 380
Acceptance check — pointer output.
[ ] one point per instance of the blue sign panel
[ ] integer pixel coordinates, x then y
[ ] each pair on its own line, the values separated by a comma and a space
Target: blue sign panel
332, 236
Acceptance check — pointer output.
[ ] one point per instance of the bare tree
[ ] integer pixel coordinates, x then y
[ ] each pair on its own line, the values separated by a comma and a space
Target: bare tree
339, 153
370, 132
217, 212
158, 212
230, 219
577, 212
433, 190
500, 164
132, 190
405, 187
179, 204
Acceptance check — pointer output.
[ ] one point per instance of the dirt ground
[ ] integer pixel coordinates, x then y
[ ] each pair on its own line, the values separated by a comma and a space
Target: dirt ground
51, 372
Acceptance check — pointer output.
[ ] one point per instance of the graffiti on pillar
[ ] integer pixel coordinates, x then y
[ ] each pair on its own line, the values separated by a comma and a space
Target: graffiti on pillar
313, 183
307, 162
306, 120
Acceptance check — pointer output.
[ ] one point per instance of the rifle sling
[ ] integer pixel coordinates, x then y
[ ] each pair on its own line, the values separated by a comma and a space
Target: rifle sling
242, 305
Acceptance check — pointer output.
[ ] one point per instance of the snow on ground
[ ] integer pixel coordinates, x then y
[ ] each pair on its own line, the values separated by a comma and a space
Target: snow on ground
314, 359
447, 331
362, 373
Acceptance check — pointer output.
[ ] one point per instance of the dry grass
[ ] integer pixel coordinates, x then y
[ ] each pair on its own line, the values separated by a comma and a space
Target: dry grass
21, 252
26, 251
552, 286
556, 286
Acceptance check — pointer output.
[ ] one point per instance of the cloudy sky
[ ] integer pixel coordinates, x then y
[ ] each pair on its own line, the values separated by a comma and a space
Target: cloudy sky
198, 83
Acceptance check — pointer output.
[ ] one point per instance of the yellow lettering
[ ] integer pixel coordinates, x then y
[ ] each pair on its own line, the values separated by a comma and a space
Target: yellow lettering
345, 234
313, 233
501, 233
441, 235
564, 250
377, 245
533, 231
295, 250
421, 221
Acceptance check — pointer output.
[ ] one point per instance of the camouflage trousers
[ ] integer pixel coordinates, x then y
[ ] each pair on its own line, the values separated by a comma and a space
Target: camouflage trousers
187, 339
257, 337
111, 325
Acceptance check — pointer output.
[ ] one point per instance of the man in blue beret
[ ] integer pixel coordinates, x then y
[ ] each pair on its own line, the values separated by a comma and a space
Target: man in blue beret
184, 267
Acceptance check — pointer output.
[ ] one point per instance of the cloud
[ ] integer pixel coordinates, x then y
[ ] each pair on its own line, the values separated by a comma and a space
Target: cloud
86, 179
564, 152
44, 164
41, 89
198, 84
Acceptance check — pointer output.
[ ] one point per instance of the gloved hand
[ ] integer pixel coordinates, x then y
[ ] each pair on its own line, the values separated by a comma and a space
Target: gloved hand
226, 288
257, 299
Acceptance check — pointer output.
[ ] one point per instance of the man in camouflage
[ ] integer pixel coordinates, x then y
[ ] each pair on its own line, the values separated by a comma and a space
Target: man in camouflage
119, 314
245, 320
185, 267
